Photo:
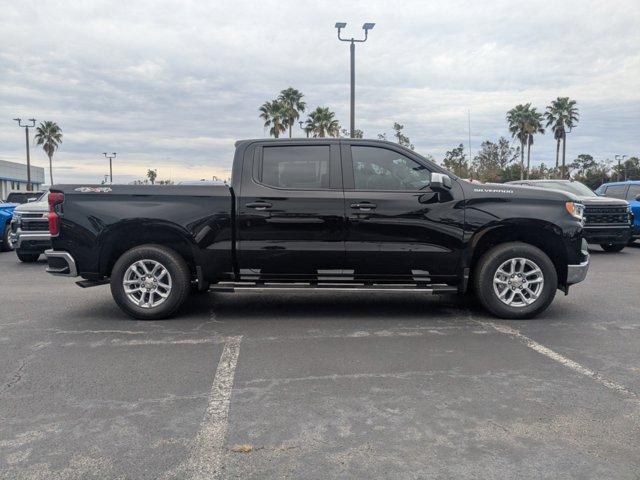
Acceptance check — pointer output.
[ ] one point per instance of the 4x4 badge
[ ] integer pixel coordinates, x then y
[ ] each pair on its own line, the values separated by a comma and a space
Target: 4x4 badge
93, 189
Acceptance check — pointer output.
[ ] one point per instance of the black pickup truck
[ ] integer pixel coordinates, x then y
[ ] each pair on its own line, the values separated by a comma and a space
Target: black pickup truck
312, 214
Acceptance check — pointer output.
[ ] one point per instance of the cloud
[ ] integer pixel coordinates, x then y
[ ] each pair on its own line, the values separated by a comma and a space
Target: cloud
172, 84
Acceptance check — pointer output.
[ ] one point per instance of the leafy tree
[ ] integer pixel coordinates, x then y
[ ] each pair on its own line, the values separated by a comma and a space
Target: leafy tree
562, 115
292, 105
583, 163
382, 136
274, 114
357, 133
455, 160
492, 159
165, 182
49, 135
401, 137
322, 123
151, 175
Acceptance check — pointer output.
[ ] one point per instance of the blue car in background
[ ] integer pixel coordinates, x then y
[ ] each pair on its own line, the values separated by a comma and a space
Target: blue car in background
6, 212
629, 191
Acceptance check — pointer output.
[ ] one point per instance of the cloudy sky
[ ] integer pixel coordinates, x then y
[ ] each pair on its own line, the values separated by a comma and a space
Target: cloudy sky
172, 84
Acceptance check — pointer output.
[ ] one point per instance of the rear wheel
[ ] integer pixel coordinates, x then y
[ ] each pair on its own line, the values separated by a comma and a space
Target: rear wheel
515, 280
6, 244
612, 247
150, 282
27, 257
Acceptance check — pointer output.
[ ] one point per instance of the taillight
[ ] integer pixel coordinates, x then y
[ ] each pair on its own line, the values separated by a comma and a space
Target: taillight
55, 198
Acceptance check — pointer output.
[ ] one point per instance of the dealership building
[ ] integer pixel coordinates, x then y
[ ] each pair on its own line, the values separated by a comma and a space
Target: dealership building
13, 176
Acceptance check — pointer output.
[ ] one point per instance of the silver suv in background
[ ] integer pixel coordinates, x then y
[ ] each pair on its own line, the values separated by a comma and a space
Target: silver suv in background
29, 234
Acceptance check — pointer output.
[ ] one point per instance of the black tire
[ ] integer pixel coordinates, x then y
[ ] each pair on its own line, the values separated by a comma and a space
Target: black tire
612, 247
6, 244
171, 261
487, 267
27, 257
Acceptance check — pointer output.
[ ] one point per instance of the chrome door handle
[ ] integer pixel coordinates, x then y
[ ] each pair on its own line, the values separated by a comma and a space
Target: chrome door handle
259, 205
366, 206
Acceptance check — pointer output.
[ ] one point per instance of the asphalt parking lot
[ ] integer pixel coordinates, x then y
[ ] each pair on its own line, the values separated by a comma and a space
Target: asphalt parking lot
319, 385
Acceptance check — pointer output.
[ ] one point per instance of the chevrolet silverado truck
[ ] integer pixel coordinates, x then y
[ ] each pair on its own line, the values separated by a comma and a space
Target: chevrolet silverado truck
608, 221
629, 190
6, 213
29, 232
320, 214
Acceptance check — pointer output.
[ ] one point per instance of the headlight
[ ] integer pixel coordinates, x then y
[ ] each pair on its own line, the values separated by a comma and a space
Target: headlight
15, 217
576, 210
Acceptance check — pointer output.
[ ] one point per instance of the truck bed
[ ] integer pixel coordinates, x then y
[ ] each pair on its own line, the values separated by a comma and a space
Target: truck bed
99, 222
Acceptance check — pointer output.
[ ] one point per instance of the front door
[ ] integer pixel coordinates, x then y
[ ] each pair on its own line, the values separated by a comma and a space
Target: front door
291, 211
398, 229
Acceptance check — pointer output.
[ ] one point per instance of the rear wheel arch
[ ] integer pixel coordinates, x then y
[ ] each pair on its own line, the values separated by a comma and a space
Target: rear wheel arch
543, 235
129, 235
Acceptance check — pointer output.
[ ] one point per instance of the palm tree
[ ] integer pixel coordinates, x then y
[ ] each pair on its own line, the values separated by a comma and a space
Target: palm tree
291, 99
516, 118
151, 175
49, 135
274, 115
322, 123
533, 125
562, 115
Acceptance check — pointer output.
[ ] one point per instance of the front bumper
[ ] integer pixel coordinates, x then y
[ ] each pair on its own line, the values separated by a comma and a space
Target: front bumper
577, 273
30, 240
607, 234
61, 263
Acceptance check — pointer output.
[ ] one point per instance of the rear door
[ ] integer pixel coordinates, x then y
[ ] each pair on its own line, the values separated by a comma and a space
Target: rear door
291, 211
397, 227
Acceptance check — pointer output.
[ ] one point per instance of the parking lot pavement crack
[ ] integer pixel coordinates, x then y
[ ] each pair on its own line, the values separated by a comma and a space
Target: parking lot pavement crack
15, 377
561, 359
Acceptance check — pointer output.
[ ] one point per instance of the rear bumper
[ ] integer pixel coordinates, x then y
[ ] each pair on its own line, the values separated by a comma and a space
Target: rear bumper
61, 263
607, 234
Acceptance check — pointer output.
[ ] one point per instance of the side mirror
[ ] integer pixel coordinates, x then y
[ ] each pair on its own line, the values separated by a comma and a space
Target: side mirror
440, 182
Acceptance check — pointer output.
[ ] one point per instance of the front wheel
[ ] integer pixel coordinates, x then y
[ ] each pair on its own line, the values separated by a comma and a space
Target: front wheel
27, 257
612, 247
515, 280
6, 245
150, 282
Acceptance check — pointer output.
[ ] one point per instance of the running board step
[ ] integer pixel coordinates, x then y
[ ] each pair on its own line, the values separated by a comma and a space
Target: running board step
435, 289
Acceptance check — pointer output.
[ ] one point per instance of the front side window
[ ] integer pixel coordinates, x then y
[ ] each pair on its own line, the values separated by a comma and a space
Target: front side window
634, 191
296, 167
615, 191
377, 168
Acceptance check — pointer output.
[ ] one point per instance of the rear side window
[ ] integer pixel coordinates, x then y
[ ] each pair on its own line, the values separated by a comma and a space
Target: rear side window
296, 167
634, 191
615, 191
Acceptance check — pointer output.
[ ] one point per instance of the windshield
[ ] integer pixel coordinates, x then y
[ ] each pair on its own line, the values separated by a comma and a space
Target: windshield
576, 188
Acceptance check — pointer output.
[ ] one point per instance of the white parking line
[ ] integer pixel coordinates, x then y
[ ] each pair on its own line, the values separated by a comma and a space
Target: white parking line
555, 356
206, 452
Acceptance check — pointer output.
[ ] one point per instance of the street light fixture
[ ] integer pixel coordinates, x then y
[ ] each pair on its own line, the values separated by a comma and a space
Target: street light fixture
620, 158
366, 27
110, 157
26, 134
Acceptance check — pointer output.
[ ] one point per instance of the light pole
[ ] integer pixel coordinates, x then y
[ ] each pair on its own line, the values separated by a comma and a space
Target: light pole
26, 135
619, 158
366, 27
110, 157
